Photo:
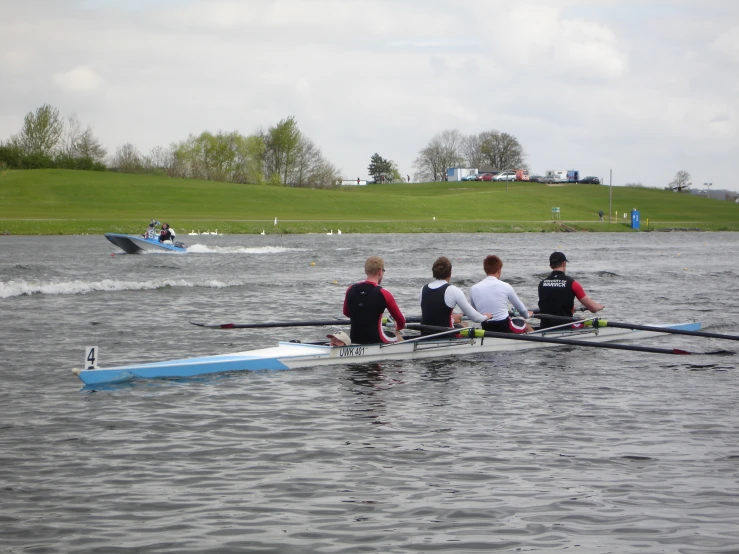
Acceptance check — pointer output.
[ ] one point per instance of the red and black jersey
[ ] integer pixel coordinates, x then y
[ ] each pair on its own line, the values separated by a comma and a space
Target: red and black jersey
434, 310
557, 295
364, 304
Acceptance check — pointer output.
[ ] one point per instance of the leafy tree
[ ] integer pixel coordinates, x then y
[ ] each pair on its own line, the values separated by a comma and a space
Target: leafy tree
41, 133
395, 175
282, 142
502, 150
681, 182
379, 167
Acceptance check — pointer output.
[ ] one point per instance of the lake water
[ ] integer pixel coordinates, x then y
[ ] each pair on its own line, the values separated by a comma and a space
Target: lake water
593, 450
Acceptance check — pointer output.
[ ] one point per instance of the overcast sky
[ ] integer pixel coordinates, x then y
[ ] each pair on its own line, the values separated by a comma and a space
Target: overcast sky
645, 88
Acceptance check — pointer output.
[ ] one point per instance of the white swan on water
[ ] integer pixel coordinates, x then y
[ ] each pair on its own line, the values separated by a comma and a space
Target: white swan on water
262, 232
331, 232
191, 233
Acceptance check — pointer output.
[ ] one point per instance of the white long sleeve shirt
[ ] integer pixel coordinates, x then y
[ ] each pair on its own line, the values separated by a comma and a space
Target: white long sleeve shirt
491, 296
453, 296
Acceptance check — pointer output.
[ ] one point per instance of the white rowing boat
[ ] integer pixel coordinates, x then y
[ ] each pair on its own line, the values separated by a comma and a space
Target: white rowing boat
292, 355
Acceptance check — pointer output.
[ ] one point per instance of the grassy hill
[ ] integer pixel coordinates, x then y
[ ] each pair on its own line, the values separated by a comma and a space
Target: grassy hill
73, 202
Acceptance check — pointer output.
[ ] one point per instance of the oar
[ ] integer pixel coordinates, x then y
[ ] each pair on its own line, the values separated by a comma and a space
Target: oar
597, 322
317, 323
479, 333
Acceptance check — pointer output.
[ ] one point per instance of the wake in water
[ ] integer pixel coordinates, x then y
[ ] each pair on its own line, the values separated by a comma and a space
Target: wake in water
27, 288
203, 249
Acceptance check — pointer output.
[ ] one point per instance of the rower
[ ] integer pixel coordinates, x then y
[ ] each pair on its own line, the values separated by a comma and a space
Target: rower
493, 295
366, 301
439, 298
558, 291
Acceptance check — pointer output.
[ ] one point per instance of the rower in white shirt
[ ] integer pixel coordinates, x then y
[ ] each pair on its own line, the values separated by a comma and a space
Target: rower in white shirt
493, 295
439, 298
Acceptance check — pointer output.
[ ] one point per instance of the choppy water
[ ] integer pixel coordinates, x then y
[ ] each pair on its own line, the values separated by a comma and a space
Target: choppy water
601, 450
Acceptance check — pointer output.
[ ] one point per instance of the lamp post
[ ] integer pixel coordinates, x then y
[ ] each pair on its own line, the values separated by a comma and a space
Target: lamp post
610, 196
708, 188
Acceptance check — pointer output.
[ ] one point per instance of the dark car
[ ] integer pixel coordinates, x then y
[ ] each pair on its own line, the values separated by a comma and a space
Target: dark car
536, 179
590, 180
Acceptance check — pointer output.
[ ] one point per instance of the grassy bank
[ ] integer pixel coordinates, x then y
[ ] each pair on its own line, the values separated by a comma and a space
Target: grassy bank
78, 202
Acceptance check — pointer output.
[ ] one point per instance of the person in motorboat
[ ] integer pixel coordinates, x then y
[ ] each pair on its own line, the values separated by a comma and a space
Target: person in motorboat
167, 235
557, 292
491, 295
338, 338
151, 231
439, 298
366, 301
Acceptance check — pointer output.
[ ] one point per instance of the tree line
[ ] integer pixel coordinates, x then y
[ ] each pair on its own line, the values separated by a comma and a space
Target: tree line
281, 155
46, 140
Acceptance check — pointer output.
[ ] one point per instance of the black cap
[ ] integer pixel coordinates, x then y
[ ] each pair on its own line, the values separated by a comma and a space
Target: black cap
557, 258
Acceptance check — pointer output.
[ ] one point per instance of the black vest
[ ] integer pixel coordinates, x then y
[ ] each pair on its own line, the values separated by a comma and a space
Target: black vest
366, 305
434, 310
556, 297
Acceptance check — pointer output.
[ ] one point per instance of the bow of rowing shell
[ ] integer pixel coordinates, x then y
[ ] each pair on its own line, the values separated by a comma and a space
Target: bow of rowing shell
290, 355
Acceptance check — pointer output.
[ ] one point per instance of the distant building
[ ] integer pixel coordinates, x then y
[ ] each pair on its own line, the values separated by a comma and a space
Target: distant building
459, 173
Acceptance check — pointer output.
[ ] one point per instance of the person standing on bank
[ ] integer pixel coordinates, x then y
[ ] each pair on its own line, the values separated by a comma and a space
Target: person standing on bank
366, 301
439, 298
558, 291
493, 295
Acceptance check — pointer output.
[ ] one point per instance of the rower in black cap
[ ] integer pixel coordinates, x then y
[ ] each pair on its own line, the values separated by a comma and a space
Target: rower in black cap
557, 292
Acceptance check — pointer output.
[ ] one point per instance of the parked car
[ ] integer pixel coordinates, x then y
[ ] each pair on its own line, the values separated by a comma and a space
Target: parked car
472, 177
590, 180
536, 179
487, 177
549, 179
505, 176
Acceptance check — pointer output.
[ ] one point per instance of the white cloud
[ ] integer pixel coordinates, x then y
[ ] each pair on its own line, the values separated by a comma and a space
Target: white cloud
728, 44
79, 79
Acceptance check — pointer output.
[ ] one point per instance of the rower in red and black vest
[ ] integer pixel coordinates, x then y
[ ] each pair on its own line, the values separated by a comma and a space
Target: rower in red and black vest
365, 303
439, 298
558, 291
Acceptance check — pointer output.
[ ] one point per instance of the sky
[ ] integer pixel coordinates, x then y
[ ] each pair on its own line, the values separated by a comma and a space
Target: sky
643, 88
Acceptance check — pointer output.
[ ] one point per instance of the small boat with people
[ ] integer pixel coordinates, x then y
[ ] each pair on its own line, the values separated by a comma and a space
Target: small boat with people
441, 342
163, 240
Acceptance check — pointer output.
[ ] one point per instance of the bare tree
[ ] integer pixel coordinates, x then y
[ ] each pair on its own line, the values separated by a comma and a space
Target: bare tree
502, 150
127, 158
88, 146
442, 152
472, 150
681, 182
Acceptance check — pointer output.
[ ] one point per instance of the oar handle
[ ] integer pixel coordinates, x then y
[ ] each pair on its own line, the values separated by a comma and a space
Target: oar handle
598, 322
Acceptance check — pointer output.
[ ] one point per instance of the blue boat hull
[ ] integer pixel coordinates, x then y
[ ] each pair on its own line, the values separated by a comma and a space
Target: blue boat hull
133, 244
296, 355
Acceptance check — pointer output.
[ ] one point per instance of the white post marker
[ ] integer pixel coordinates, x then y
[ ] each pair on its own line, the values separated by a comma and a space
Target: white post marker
91, 357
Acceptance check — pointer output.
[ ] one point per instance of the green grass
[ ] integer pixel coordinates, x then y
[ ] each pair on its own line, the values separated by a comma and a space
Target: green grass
76, 202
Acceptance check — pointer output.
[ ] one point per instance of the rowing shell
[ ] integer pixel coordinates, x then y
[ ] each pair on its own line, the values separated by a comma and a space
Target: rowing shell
291, 355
